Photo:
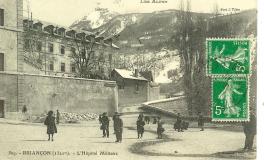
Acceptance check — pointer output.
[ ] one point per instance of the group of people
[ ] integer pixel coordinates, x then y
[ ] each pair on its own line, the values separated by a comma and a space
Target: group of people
179, 125
142, 120
117, 124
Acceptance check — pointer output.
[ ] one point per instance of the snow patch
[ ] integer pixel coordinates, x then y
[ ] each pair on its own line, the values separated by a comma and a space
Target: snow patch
163, 74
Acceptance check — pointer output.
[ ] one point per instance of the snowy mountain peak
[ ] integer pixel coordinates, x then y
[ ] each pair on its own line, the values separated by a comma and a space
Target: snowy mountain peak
95, 19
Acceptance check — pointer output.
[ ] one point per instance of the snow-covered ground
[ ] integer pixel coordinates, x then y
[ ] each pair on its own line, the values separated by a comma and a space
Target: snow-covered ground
163, 74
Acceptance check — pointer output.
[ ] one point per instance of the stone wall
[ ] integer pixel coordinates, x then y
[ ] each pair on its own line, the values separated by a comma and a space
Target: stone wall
154, 92
130, 96
43, 93
8, 91
172, 105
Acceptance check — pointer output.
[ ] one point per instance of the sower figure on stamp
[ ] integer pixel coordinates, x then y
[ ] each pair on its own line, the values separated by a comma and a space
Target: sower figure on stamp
51, 126
227, 96
58, 117
105, 125
118, 127
201, 121
140, 127
250, 132
160, 128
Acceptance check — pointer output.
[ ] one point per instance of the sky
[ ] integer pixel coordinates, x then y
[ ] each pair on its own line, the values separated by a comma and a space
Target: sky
65, 12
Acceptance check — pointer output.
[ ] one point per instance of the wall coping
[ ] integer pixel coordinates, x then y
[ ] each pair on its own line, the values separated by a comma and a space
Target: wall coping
49, 76
11, 29
164, 100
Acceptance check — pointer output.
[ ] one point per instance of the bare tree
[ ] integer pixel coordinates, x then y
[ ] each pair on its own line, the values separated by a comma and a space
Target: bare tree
216, 11
90, 56
34, 52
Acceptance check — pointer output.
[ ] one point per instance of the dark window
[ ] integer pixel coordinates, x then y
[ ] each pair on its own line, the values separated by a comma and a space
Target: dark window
2, 62
61, 33
39, 28
50, 45
39, 46
62, 67
51, 66
2, 109
62, 50
2, 17
73, 68
73, 50
27, 44
83, 53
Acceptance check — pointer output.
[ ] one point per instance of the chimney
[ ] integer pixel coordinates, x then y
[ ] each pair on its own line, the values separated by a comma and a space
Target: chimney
136, 72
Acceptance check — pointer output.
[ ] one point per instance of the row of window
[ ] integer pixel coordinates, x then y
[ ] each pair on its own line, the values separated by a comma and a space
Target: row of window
62, 67
38, 47
51, 65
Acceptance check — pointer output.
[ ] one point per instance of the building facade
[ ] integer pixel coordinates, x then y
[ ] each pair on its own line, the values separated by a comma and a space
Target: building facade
11, 20
11, 13
55, 50
133, 88
27, 77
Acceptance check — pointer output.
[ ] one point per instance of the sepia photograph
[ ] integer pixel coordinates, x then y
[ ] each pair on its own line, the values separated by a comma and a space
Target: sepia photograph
125, 80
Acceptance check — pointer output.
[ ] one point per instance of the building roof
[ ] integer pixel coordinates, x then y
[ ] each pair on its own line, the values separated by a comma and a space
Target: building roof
77, 31
148, 75
129, 75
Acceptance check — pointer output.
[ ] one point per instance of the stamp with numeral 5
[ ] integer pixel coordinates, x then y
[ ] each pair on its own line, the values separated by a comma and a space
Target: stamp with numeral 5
228, 56
230, 99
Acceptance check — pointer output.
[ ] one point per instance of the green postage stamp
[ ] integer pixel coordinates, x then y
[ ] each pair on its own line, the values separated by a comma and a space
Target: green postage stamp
228, 56
230, 99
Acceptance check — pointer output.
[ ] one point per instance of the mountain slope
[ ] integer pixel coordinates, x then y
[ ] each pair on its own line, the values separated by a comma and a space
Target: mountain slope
94, 19
151, 33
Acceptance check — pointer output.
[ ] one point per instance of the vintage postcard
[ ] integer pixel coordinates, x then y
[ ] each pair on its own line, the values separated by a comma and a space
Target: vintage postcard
125, 80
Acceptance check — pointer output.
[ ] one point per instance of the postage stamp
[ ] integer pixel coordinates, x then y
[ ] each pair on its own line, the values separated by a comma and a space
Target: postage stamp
228, 56
230, 99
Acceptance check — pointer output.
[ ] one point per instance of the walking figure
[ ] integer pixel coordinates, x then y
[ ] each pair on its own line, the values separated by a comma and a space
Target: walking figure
24, 112
51, 126
178, 124
160, 128
58, 117
114, 118
185, 125
250, 132
118, 127
24, 109
154, 120
140, 127
105, 125
201, 121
